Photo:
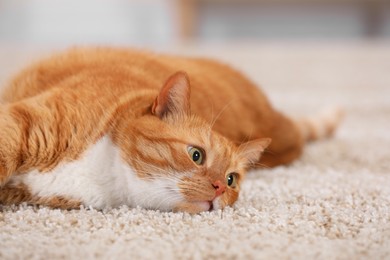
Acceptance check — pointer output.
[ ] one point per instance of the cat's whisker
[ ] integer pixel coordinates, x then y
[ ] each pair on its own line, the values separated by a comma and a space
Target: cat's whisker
171, 197
249, 136
174, 180
270, 152
212, 123
168, 193
261, 165
148, 199
162, 178
170, 173
212, 111
156, 168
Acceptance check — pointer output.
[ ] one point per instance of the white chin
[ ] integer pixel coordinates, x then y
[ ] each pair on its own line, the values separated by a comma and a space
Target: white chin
203, 205
216, 204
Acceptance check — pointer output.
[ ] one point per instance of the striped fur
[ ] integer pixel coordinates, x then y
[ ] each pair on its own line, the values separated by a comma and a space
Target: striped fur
107, 127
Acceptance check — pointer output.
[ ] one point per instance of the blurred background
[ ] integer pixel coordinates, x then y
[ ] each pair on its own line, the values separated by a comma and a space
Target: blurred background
162, 23
293, 48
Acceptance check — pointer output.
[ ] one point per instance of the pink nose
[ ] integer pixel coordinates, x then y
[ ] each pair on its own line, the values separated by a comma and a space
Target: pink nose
219, 188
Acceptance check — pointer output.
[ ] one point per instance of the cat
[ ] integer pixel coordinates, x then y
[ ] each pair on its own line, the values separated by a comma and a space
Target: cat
105, 127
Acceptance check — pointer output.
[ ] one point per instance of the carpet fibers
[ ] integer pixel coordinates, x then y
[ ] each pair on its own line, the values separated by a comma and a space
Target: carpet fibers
333, 203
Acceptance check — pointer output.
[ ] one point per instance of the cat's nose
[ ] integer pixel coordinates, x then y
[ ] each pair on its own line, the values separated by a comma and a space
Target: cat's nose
219, 187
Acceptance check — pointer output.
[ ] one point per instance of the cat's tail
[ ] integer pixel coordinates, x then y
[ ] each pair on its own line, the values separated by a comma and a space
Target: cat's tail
321, 125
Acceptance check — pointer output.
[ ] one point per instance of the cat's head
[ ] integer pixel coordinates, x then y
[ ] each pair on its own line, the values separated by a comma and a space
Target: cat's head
187, 165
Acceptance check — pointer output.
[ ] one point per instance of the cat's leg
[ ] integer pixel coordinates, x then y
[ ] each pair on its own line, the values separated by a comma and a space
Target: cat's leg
19, 193
10, 146
289, 135
40, 132
287, 142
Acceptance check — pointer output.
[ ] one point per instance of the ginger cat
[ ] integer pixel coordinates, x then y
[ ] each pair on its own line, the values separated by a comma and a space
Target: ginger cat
108, 127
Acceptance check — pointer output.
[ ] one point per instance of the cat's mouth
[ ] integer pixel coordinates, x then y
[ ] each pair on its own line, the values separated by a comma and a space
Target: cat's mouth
211, 206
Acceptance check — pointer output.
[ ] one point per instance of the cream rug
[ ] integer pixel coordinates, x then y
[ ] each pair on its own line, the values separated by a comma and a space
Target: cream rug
334, 203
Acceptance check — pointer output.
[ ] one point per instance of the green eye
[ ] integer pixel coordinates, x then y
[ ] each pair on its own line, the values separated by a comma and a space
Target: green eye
231, 180
196, 155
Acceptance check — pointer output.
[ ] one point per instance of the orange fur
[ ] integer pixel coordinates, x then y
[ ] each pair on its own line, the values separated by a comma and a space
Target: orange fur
12, 194
53, 110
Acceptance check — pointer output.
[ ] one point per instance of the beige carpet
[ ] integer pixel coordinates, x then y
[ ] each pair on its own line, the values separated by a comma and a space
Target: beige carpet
334, 203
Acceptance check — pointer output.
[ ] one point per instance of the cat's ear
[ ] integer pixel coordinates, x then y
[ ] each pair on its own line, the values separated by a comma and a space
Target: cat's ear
251, 151
174, 97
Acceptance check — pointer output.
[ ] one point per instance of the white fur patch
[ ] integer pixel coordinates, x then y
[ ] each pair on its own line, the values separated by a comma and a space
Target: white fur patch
101, 179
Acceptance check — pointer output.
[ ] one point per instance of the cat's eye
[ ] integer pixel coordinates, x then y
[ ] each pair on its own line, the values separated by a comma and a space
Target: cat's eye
196, 154
231, 180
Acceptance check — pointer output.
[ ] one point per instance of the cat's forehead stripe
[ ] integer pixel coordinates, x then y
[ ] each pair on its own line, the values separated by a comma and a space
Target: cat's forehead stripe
162, 139
219, 154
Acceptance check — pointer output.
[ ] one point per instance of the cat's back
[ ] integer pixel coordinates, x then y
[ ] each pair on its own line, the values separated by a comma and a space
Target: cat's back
120, 67
111, 69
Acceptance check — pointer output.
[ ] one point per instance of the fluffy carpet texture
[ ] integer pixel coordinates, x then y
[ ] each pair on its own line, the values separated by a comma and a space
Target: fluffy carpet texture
333, 203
